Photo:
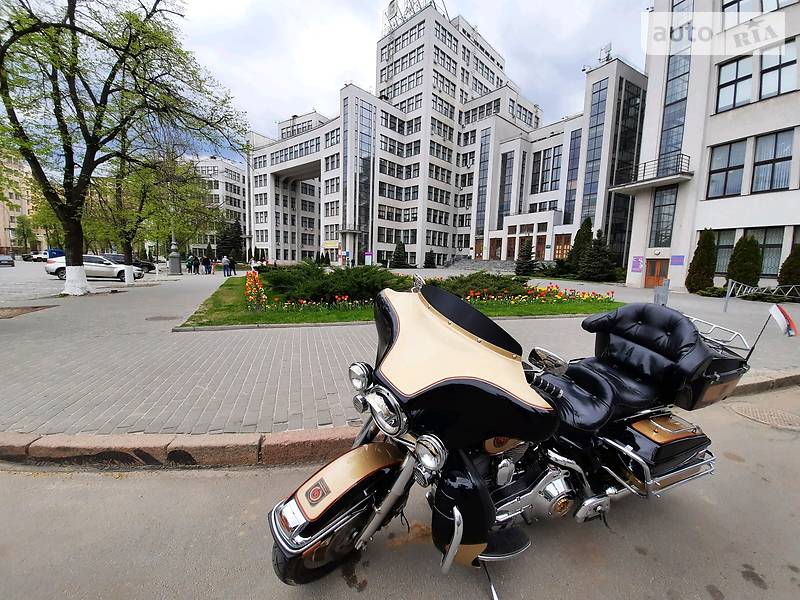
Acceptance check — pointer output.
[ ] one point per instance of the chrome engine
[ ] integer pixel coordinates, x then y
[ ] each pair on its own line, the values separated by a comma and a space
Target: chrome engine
550, 496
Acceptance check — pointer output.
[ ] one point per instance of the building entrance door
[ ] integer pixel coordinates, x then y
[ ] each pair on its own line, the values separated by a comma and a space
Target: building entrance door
478, 249
495, 246
511, 248
541, 242
656, 272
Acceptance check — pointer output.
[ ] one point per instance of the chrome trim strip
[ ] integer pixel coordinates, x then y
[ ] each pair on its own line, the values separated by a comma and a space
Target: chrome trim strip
455, 542
653, 487
568, 463
485, 558
398, 489
367, 433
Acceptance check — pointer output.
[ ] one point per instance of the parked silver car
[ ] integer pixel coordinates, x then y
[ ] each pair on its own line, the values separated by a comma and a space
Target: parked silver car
6, 260
96, 266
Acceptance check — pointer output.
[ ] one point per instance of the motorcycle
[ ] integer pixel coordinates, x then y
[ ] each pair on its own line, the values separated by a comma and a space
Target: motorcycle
499, 442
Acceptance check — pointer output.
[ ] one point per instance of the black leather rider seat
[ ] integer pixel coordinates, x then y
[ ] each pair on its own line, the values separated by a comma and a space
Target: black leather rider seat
645, 356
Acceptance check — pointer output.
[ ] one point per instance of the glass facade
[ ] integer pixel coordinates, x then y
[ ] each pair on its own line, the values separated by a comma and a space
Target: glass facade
506, 181
594, 149
345, 156
521, 199
663, 216
572, 175
770, 240
483, 177
366, 151
676, 97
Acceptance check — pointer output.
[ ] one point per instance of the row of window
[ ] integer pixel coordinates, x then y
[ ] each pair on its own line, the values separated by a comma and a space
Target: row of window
440, 173
402, 63
332, 138
439, 217
771, 165
392, 169
296, 151
332, 186
332, 162
444, 107
479, 112
441, 152
438, 195
441, 129
443, 59
397, 192
400, 87
398, 148
332, 208
740, 11
399, 125
770, 239
390, 213
296, 129
308, 189
436, 238
447, 38
546, 174
520, 112
410, 104
388, 235
777, 75
407, 37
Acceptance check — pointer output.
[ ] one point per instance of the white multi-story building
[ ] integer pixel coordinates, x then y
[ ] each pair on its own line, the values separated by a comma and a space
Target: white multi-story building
227, 186
721, 145
399, 166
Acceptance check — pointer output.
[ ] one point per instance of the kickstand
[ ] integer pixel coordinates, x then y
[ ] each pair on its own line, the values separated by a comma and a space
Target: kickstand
489, 577
605, 520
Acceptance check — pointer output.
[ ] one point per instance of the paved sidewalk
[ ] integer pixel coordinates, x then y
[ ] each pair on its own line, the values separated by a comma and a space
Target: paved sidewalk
109, 363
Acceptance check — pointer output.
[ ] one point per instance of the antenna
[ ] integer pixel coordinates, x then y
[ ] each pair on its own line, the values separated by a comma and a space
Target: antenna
605, 53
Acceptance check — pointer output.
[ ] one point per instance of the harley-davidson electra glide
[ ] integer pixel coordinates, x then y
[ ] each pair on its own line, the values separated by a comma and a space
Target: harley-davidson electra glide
499, 441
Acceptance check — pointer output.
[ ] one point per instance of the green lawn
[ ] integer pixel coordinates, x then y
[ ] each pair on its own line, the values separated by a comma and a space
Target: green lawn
227, 306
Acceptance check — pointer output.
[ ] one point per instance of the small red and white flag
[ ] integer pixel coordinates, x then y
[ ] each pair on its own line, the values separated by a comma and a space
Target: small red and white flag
784, 320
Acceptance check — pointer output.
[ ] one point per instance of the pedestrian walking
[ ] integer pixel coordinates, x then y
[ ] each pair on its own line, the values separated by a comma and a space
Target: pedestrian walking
206, 265
196, 265
232, 270
190, 264
226, 267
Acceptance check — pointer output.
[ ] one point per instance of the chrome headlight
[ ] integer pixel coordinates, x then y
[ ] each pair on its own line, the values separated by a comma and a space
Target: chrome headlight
387, 412
431, 452
360, 376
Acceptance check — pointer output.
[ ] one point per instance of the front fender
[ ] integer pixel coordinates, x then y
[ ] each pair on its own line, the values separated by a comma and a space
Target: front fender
462, 486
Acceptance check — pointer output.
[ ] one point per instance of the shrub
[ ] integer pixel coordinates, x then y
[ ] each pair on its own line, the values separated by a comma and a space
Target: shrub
581, 245
485, 283
399, 257
712, 292
310, 282
704, 263
525, 264
790, 270
430, 260
597, 264
745, 263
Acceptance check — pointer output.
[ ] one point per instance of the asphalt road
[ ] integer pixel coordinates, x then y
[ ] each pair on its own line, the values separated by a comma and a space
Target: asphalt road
203, 534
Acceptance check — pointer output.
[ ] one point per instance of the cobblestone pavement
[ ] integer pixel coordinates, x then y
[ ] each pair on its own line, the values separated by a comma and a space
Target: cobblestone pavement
202, 533
109, 364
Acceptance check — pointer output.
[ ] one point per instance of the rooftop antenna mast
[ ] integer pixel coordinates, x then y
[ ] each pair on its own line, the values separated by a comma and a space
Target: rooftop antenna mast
399, 11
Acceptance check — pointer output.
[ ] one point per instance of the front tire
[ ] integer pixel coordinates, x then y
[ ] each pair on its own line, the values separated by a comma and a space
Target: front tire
61, 274
292, 570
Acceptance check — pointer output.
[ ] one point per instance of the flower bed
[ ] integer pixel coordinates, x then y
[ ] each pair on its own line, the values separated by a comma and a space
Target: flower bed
251, 299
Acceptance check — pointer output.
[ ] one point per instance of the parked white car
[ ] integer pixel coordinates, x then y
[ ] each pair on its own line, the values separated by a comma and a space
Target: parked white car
96, 266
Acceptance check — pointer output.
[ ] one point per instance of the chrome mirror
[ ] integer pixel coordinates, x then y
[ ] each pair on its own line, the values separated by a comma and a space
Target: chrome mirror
418, 283
547, 361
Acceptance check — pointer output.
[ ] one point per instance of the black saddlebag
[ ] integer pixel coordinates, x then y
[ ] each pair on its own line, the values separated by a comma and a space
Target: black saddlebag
665, 444
717, 382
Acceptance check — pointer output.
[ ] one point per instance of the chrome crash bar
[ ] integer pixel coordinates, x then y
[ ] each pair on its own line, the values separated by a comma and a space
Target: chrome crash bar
656, 486
455, 543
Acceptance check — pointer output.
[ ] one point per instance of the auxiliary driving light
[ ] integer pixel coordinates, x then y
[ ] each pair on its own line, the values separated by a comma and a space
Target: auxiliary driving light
431, 452
360, 376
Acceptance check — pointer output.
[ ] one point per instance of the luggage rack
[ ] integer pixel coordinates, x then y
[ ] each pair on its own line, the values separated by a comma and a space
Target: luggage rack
719, 335
702, 465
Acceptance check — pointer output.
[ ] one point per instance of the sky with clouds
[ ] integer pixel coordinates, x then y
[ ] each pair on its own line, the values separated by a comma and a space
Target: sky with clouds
284, 57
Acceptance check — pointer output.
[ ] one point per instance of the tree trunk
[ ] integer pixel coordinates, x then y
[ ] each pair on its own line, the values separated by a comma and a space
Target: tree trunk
127, 250
76, 284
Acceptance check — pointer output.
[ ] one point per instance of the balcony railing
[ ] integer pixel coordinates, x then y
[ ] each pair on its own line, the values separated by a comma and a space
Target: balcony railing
671, 167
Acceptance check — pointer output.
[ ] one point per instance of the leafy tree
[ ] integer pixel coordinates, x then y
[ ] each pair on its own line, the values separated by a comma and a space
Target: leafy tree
790, 270
704, 263
430, 260
745, 263
84, 83
399, 257
582, 243
597, 263
525, 264
24, 235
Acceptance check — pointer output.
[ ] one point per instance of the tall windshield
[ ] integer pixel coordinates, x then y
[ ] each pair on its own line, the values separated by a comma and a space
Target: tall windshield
470, 319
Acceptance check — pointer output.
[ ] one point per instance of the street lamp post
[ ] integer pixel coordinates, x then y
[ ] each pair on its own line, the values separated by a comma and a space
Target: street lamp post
174, 257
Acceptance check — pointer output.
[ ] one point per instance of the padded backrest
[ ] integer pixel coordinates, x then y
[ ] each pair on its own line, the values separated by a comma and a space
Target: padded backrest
653, 340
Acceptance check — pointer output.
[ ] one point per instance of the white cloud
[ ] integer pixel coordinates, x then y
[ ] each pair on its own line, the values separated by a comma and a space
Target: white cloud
281, 57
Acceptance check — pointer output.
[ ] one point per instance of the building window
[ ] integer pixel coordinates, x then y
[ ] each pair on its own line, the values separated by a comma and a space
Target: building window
770, 239
727, 168
796, 238
779, 69
563, 244
726, 240
773, 161
663, 217
735, 84
594, 145
537, 171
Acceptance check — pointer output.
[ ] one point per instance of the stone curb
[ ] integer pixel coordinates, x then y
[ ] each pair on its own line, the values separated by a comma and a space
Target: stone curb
227, 449
207, 450
181, 329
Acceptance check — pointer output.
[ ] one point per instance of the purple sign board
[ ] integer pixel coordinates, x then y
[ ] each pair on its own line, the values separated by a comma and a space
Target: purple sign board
677, 260
637, 264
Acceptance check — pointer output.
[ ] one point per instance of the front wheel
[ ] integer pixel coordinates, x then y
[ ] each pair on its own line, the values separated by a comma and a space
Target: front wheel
61, 274
317, 562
